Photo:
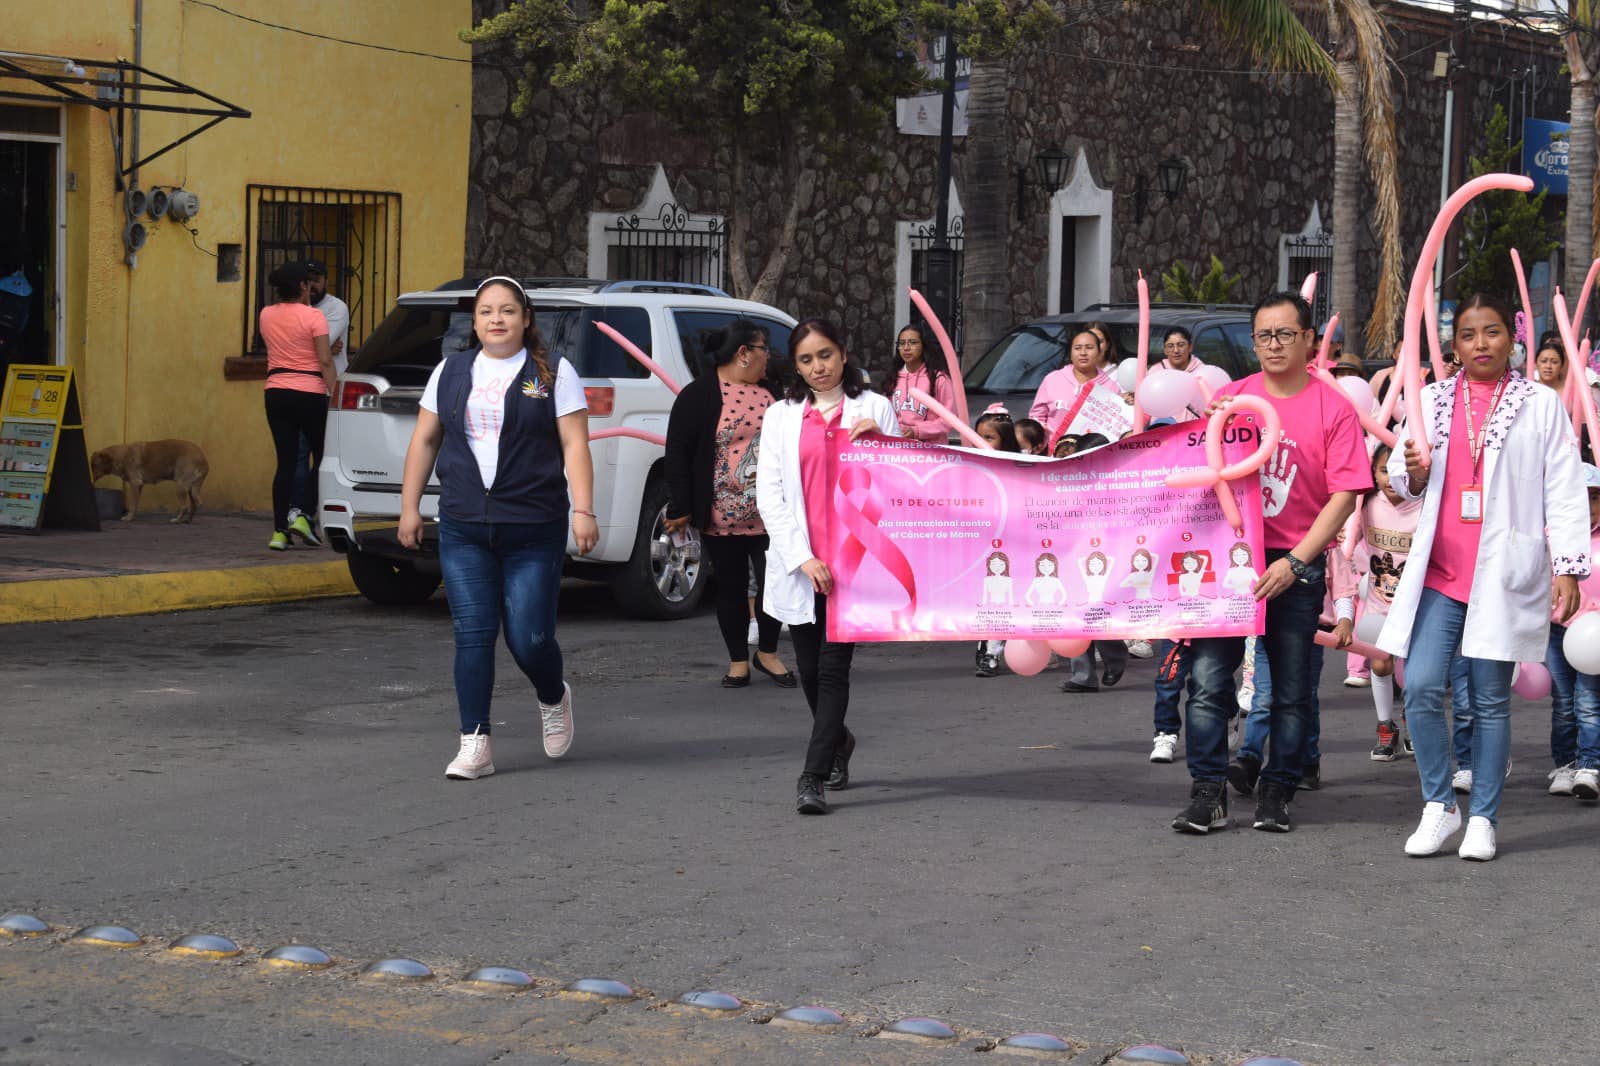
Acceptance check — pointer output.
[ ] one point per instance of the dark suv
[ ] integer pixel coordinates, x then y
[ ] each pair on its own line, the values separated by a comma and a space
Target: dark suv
1010, 371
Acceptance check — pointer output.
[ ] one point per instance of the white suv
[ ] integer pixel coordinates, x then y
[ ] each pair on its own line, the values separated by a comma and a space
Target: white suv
372, 413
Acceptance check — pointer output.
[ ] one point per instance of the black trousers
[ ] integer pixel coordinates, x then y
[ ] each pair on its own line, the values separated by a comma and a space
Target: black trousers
825, 679
734, 558
290, 414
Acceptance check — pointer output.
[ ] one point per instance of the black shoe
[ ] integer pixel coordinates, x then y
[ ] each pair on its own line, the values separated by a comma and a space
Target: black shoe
839, 780
809, 800
1110, 677
1243, 773
1207, 810
1311, 777
988, 666
1272, 809
784, 680
729, 681
1073, 686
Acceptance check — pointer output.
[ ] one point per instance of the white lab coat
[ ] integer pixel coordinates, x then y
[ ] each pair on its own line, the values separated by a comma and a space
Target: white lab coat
788, 595
1533, 483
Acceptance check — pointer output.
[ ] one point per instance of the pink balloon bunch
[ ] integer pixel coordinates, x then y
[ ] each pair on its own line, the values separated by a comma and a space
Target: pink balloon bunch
1166, 393
1028, 657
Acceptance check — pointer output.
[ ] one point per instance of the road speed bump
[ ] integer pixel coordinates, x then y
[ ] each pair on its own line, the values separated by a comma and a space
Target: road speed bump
298, 957
204, 946
817, 1019
1037, 1044
22, 925
597, 988
107, 936
1152, 1055
397, 970
929, 1029
715, 1002
498, 978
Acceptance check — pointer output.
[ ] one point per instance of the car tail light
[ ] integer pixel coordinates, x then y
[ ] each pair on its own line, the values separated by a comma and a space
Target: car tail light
355, 396
341, 508
602, 400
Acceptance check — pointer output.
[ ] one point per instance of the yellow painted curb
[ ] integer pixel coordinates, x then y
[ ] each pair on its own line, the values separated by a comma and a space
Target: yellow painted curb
78, 598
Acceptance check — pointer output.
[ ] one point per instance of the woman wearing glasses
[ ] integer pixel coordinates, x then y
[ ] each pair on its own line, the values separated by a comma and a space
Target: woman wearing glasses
712, 450
791, 491
1504, 507
922, 366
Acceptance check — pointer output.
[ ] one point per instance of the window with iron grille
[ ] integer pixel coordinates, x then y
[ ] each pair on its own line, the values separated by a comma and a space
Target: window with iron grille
673, 246
1308, 253
355, 233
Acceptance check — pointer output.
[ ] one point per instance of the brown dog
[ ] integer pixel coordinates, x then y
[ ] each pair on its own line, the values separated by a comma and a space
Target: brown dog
146, 462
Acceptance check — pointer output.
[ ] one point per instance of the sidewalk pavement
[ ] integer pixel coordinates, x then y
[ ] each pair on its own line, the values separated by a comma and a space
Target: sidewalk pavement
149, 566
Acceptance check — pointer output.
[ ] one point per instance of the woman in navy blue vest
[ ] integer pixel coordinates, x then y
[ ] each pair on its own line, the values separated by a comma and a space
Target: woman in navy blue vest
508, 428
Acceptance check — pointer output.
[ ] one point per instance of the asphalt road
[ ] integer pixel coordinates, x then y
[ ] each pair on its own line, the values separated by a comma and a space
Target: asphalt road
1003, 863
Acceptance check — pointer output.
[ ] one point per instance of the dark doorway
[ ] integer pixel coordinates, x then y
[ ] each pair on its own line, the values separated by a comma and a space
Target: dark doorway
1069, 264
27, 245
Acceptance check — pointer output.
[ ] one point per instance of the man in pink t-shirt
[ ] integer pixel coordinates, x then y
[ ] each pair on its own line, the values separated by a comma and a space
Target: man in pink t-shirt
1309, 487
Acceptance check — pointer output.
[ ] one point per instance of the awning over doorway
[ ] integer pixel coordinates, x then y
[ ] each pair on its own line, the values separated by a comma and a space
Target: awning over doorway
116, 88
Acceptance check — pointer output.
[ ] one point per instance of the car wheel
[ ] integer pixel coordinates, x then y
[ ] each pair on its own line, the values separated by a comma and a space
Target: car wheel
391, 582
660, 579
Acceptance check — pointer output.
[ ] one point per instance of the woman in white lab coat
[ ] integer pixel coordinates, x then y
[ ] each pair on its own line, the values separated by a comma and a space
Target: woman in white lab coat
791, 494
1504, 471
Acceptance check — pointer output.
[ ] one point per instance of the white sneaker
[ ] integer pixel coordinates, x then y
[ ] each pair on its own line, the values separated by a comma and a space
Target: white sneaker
1165, 748
558, 724
1437, 826
1357, 681
753, 634
1585, 784
1561, 779
295, 512
1247, 696
1478, 844
473, 761
1141, 649
1461, 781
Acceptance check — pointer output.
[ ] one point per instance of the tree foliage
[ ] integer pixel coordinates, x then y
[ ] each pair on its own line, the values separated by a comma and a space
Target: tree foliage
1180, 285
1502, 220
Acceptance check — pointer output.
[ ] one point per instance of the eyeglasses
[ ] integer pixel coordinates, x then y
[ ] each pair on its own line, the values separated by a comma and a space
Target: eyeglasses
758, 347
1284, 337
912, 343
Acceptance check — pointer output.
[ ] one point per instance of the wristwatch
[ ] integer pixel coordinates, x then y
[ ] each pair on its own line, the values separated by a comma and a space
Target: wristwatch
1296, 567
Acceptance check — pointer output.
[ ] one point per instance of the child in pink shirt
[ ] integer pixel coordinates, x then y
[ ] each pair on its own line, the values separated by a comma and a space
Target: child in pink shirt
1388, 521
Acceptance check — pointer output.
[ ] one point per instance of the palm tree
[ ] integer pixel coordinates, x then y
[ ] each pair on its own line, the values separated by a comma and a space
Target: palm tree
1580, 234
986, 280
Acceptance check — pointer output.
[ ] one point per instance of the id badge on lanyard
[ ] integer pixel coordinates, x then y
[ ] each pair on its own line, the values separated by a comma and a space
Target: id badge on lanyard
1471, 504
1472, 494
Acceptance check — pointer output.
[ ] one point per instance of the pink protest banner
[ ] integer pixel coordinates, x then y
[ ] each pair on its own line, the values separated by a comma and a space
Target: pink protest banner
938, 543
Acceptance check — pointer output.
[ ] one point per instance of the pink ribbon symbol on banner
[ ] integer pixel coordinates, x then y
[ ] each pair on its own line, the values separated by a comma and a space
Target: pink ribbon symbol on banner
1215, 475
858, 509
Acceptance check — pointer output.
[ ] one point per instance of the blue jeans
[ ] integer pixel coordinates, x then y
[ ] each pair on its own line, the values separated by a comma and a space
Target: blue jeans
1170, 692
1574, 709
1291, 627
502, 572
1461, 711
1435, 642
1257, 723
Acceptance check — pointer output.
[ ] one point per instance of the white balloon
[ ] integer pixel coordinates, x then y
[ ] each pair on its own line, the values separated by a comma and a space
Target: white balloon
1214, 376
1582, 643
1127, 374
1165, 393
1368, 626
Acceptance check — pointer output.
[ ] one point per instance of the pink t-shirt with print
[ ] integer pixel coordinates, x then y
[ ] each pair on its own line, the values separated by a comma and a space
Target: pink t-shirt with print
1455, 543
1320, 452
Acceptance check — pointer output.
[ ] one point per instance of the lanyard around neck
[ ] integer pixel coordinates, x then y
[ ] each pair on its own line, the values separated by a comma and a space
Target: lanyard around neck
1476, 442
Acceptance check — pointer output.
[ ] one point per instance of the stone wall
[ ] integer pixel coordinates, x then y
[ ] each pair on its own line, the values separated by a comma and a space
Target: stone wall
1128, 91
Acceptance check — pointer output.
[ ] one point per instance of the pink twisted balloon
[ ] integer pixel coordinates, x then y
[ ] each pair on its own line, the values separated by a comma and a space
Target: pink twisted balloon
1140, 419
1320, 368
633, 349
1215, 475
966, 432
950, 358
1420, 302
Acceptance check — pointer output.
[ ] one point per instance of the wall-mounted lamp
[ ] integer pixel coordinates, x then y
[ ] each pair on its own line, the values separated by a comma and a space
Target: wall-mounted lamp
1170, 176
1050, 170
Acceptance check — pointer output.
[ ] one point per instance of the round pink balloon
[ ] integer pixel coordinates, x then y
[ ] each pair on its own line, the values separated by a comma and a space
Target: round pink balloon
1214, 376
1068, 648
1165, 393
1027, 657
1532, 681
1360, 392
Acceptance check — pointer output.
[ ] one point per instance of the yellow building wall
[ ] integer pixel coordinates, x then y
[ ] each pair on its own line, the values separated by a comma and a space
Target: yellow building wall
148, 342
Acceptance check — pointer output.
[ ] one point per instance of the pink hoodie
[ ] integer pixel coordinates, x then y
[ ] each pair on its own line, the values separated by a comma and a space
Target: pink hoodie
915, 417
1058, 393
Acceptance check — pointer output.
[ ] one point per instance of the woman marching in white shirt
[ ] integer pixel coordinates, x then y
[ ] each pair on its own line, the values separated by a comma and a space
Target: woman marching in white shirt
1503, 506
791, 493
